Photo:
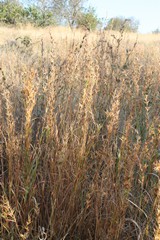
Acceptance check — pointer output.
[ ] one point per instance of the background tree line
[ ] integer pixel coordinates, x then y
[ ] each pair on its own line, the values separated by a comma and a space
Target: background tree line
58, 12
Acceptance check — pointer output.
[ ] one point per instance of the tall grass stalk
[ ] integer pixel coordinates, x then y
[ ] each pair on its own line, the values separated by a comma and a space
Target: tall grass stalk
79, 139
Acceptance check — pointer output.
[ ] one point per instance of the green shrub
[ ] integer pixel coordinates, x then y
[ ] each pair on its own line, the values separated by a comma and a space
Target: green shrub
88, 20
38, 17
11, 12
117, 23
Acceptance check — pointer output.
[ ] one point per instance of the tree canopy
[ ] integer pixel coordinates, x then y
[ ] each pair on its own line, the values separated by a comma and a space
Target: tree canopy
59, 12
117, 23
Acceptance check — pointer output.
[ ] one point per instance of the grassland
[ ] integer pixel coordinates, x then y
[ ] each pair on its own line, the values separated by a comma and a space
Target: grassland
79, 135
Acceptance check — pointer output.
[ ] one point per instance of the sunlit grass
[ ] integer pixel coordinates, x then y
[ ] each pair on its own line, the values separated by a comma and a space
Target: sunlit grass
79, 135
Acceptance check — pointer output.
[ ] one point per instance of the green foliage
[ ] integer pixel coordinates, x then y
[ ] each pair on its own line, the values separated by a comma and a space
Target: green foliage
38, 17
44, 13
118, 23
88, 20
26, 41
11, 12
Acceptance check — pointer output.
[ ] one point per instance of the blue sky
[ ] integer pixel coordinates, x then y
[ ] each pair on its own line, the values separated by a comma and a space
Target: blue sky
146, 11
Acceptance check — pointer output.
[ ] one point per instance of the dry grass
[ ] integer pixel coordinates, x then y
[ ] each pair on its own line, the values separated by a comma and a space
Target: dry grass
79, 135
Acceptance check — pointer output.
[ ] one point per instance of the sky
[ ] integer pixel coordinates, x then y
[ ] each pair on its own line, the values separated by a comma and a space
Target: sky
146, 11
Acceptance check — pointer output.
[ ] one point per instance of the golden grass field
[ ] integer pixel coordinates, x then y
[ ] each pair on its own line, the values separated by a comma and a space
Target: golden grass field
79, 135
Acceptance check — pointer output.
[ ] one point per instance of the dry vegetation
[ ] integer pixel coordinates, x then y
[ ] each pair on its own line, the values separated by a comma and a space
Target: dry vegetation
79, 135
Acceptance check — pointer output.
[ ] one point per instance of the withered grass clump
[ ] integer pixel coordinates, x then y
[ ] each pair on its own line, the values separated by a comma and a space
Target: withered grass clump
79, 140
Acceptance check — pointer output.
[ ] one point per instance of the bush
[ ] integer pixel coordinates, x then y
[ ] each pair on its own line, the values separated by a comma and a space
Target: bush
38, 17
88, 20
11, 12
157, 31
117, 23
